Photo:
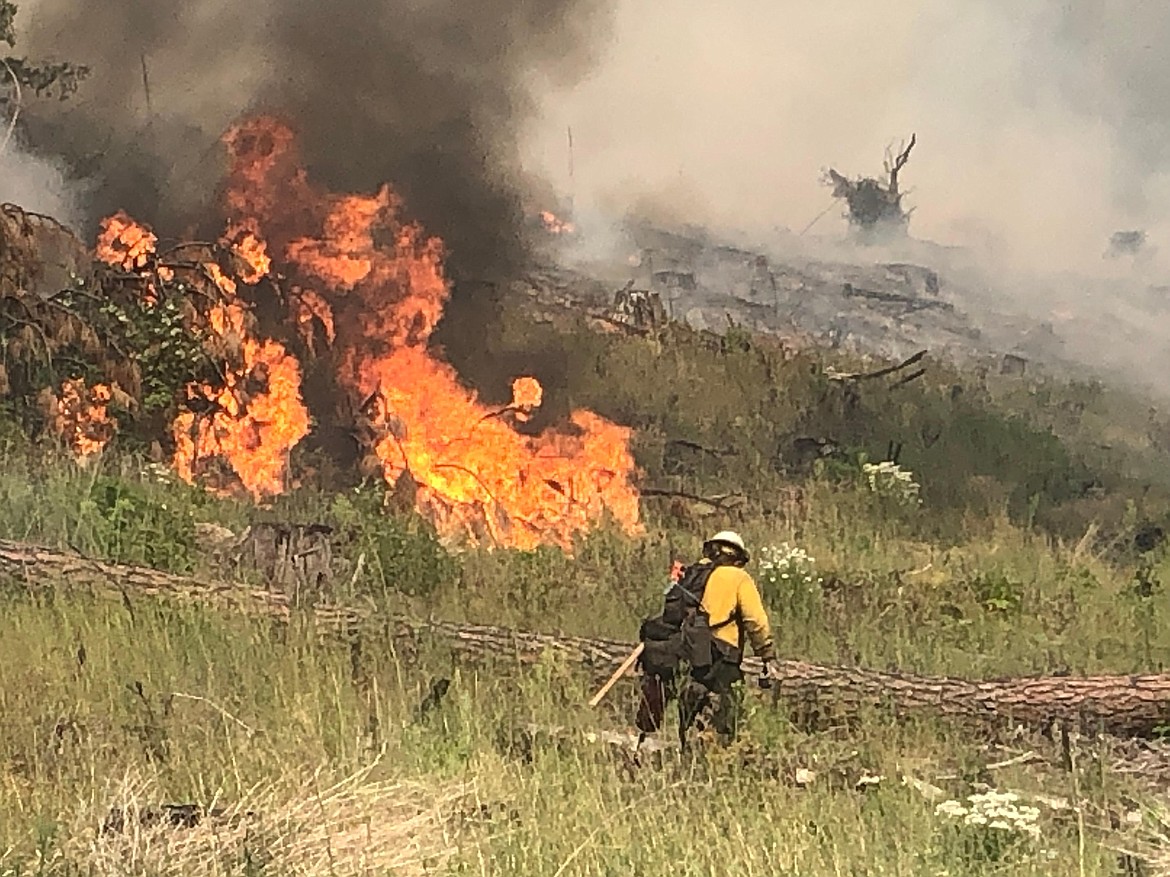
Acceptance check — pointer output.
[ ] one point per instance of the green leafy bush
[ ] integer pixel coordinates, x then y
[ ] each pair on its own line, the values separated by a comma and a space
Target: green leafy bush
129, 523
402, 552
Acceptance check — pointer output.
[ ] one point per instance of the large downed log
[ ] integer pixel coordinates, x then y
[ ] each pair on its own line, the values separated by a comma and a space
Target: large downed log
1134, 705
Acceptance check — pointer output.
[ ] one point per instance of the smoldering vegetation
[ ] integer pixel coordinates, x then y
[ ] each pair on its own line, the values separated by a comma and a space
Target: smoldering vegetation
1034, 190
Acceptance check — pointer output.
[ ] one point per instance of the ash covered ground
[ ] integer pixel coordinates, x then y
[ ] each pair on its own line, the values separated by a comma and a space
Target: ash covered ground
890, 300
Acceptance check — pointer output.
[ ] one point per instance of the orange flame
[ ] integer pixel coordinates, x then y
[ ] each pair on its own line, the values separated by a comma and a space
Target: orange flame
554, 224
256, 417
254, 253
124, 243
374, 285
527, 394
381, 281
309, 307
82, 418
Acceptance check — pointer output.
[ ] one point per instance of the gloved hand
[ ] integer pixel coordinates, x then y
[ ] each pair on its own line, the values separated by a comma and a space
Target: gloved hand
770, 673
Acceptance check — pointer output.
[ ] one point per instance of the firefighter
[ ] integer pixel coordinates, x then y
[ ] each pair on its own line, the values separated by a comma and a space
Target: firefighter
732, 615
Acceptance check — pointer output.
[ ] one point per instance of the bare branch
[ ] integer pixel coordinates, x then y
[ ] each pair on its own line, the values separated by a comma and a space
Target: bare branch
899, 163
834, 375
16, 109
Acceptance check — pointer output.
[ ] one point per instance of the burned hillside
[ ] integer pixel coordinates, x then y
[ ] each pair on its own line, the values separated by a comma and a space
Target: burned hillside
885, 302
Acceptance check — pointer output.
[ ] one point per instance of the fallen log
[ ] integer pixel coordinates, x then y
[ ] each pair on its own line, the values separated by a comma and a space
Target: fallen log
917, 303
1122, 705
834, 375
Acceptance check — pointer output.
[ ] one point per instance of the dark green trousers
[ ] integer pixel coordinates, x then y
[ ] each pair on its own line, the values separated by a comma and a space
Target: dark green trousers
711, 699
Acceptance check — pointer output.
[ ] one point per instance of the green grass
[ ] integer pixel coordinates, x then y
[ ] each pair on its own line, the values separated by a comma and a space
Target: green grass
1020, 559
179, 704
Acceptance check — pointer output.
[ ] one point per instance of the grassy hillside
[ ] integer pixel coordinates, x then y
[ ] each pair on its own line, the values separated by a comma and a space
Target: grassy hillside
1025, 548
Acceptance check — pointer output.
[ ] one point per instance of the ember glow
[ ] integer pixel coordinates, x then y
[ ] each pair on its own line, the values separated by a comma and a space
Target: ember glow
364, 289
82, 419
554, 224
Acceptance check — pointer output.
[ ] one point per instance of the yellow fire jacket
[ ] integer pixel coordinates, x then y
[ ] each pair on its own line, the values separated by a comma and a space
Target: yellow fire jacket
731, 593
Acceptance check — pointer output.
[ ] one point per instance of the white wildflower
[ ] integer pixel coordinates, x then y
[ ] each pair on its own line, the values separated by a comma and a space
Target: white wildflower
891, 480
790, 566
952, 809
157, 472
998, 811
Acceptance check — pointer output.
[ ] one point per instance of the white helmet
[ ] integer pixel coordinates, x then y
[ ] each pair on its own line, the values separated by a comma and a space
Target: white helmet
731, 538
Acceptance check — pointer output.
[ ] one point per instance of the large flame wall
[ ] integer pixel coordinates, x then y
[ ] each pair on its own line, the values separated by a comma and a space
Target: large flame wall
374, 285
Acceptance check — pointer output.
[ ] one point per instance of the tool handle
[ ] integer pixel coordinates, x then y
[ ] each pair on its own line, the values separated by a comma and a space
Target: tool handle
617, 674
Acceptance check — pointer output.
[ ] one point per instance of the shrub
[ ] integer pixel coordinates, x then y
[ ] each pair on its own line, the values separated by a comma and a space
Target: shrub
402, 552
126, 522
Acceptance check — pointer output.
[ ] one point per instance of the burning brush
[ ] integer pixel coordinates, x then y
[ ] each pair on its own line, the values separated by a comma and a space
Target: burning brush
367, 288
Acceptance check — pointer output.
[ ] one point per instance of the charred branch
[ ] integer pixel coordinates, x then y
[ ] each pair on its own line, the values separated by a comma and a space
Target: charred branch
834, 375
703, 449
913, 376
720, 503
899, 162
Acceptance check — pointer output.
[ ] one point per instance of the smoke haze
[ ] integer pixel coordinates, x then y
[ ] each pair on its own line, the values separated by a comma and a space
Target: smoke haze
38, 185
1042, 127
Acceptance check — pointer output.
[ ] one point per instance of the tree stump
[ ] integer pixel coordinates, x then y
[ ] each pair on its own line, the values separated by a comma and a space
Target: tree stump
294, 558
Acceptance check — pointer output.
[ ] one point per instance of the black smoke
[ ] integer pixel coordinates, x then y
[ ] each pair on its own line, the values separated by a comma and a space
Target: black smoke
427, 95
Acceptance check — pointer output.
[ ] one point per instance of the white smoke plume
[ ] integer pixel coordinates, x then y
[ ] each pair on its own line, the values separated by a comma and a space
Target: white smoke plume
1040, 126
38, 186
1042, 129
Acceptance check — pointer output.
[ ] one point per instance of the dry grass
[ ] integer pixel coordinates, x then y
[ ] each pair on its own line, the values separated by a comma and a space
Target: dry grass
1147, 838
350, 826
958, 586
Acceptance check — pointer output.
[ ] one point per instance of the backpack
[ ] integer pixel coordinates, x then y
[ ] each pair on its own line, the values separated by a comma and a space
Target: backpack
682, 632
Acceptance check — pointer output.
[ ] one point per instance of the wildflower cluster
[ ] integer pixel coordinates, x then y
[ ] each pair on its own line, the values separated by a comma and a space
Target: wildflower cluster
159, 473
890, 479
789, 578
992, 826
996, 810
786, 565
